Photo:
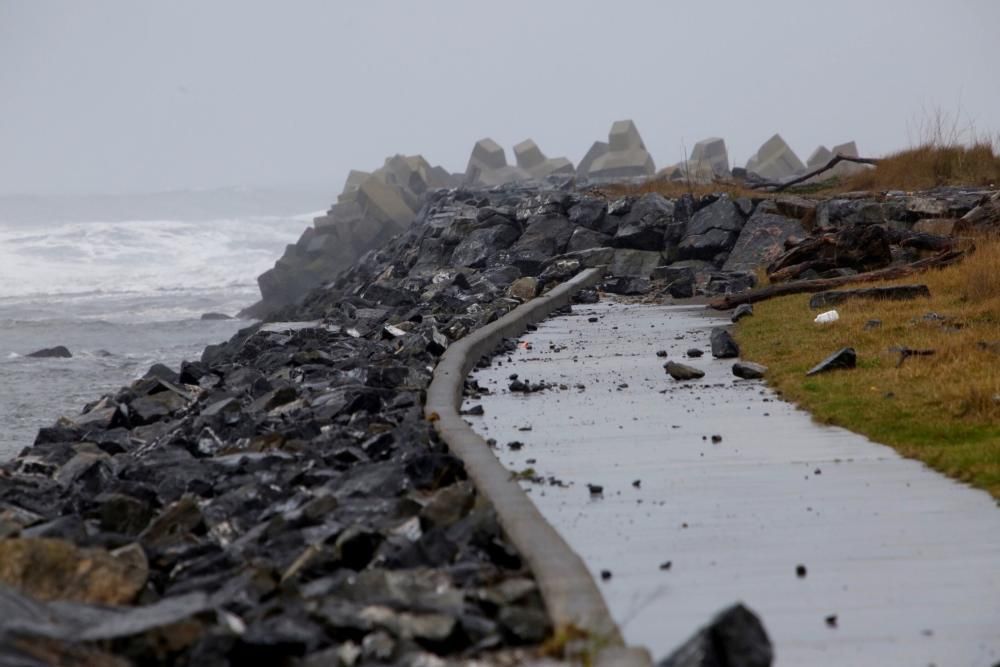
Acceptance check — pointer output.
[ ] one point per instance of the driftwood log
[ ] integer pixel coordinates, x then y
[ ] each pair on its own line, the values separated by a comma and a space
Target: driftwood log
808, 286
837, 159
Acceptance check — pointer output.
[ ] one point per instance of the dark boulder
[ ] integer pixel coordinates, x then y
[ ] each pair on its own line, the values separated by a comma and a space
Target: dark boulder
645, 225
723, 345
589, 213
480, 245
626, 285
749, 370
680, 371
543, 238
585, 239
843, 358
762, 240
57, 352
734, 638
712, 230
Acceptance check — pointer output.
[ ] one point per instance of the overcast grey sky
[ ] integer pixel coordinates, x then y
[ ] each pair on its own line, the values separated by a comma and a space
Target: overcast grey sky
126, 96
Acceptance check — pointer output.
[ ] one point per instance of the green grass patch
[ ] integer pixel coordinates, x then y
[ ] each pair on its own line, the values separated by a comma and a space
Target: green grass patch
942, 409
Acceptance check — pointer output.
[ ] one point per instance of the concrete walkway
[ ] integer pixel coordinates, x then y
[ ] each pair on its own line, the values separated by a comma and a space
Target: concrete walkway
907, 561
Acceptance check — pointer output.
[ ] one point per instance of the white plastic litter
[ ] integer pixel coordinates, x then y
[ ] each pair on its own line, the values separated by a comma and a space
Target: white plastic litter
827, 317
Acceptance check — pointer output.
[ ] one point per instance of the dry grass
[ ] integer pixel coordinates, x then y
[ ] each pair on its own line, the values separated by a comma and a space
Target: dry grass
943, 409
930, 166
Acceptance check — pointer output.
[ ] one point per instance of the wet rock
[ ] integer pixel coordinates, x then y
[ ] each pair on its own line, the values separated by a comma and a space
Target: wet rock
524, 624
634, 263
843, 358
51, 569
174, 524
694, 352
712, 230
122, 513
749, 370
762, 240
544, 237
743, 310
586, 239
448, 505
481, 244
723, 344
589, 213
734, 638
163, 372
627, 286
57, 352
587, 296
680, 371
524, 289
645, 225
891, 293
215, 316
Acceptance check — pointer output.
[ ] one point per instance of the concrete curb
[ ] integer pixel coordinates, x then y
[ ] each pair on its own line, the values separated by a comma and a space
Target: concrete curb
570, 593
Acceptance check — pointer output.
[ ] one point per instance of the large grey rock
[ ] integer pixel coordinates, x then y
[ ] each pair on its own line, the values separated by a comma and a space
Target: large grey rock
645, 225
712, 230
762, 240
543, 238
589, 213
584, 239
634, 263
775, 160
482, 244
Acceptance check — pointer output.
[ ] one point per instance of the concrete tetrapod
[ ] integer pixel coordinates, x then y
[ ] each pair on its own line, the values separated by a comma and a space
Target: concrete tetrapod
570, 593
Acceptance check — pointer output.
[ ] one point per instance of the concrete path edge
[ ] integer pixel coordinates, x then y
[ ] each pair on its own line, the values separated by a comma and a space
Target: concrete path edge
571, 595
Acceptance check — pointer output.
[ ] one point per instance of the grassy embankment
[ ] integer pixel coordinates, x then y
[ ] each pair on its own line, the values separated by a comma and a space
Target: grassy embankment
942, 409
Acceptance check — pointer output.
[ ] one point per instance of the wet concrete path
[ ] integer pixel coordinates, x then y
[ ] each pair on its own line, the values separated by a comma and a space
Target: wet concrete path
906, 560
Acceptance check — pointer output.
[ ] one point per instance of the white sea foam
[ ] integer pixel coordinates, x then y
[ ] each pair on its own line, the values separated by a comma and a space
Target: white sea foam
140, 256
167, 269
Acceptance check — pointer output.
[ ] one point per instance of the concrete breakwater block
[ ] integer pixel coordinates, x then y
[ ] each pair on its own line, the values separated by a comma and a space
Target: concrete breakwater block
531, 158
627, 156
710, 155
775, 160
596, 150
488, 166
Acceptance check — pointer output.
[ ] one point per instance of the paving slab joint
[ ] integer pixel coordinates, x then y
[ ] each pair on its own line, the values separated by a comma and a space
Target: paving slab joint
571, 595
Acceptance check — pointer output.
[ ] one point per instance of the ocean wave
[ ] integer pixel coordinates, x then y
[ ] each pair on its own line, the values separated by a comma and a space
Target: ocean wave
98, 259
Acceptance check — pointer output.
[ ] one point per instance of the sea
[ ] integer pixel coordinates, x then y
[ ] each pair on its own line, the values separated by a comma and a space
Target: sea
120, 295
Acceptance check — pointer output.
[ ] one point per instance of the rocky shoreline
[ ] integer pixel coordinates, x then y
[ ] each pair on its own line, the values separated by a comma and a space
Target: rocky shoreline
283, 499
